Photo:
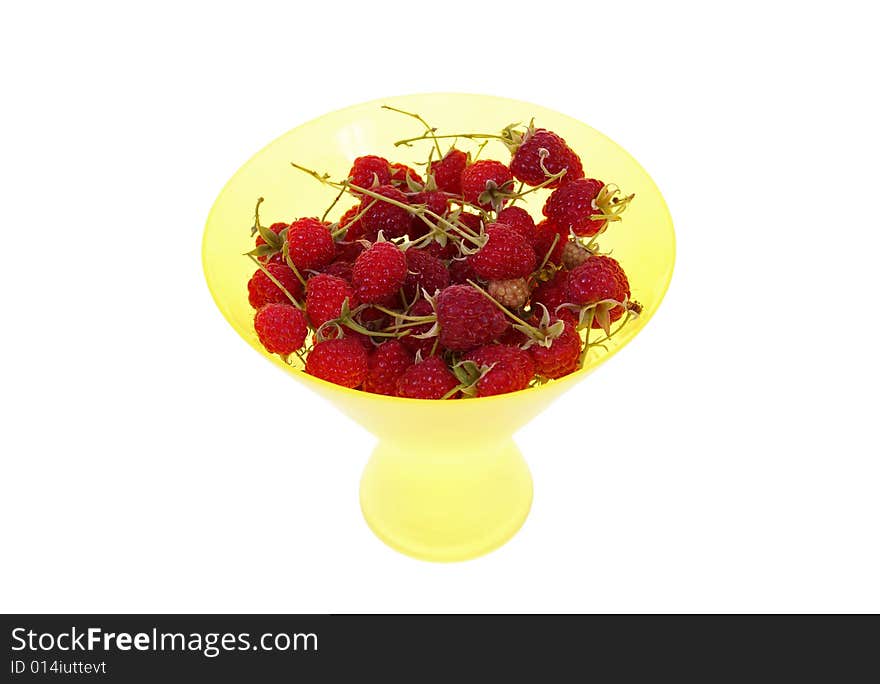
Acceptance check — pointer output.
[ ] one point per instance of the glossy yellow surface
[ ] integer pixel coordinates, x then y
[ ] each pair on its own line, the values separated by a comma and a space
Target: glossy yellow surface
446, 482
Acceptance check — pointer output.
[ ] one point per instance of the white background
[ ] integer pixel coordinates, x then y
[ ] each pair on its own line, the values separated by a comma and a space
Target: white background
726, 461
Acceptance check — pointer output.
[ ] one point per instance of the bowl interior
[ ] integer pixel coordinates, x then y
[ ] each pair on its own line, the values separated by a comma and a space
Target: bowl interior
643, 242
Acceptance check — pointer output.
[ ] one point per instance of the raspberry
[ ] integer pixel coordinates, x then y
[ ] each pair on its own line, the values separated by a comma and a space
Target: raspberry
430, 379
436, 202
562, 356
392, 220
399, 172
467, 319
340, 269
341, 361
553, 293
379, 272
261, 289
512, 369
325, 294
520, 220
447, 171
526, 161
414, 344
547, 232
366, 170
599, 278
354, 229
460, 271
472, 221
506, 255
282, 328
444, 252
424, 271
386, 364
571, 206
485, 182
574, 254
511, 293
311, 245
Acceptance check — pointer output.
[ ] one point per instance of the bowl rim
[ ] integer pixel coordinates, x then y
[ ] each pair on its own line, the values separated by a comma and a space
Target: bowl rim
561, 384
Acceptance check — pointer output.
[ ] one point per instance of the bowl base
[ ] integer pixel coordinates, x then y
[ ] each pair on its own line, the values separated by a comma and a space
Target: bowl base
446, 506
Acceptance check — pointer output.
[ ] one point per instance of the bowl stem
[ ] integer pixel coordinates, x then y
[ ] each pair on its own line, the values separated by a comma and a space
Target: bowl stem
448, 505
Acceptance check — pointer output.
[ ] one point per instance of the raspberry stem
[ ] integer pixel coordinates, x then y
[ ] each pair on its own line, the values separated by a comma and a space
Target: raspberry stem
549, 253
275, 281
285, 254
332, 204
429, 130
421, 211
397, 314
610, 204
469, 136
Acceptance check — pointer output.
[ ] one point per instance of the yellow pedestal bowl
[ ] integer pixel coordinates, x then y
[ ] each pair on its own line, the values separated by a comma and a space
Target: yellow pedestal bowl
446, 481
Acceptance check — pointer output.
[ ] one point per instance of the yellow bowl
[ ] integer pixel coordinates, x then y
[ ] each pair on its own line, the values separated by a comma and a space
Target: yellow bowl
446, 481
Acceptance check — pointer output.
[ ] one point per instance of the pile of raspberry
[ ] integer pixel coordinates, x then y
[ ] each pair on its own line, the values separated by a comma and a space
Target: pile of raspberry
440, 284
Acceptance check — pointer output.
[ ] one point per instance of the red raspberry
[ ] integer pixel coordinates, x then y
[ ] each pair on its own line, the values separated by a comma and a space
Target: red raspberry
366, 170
386, 364
505, 256
472, 221
354, 228
282, 328
562, 356
436, 202
487, 179
467, 319
324, 297
340, 269
512, 369
547, 232
261, 289
521, 220
444, 252
430, 379
399, 172
340, 361
553, 293
414, 344
572, 205
310, 244
526, 161
424, 271
460, 271
393, 221
513, 337
379, 272
599, 278
447, 171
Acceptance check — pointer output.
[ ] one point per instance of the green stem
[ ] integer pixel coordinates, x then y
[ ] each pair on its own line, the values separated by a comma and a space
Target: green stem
277, 284
256, 227
332, 204
471, 136
285, 253
429, 130
549, 252
397, 314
